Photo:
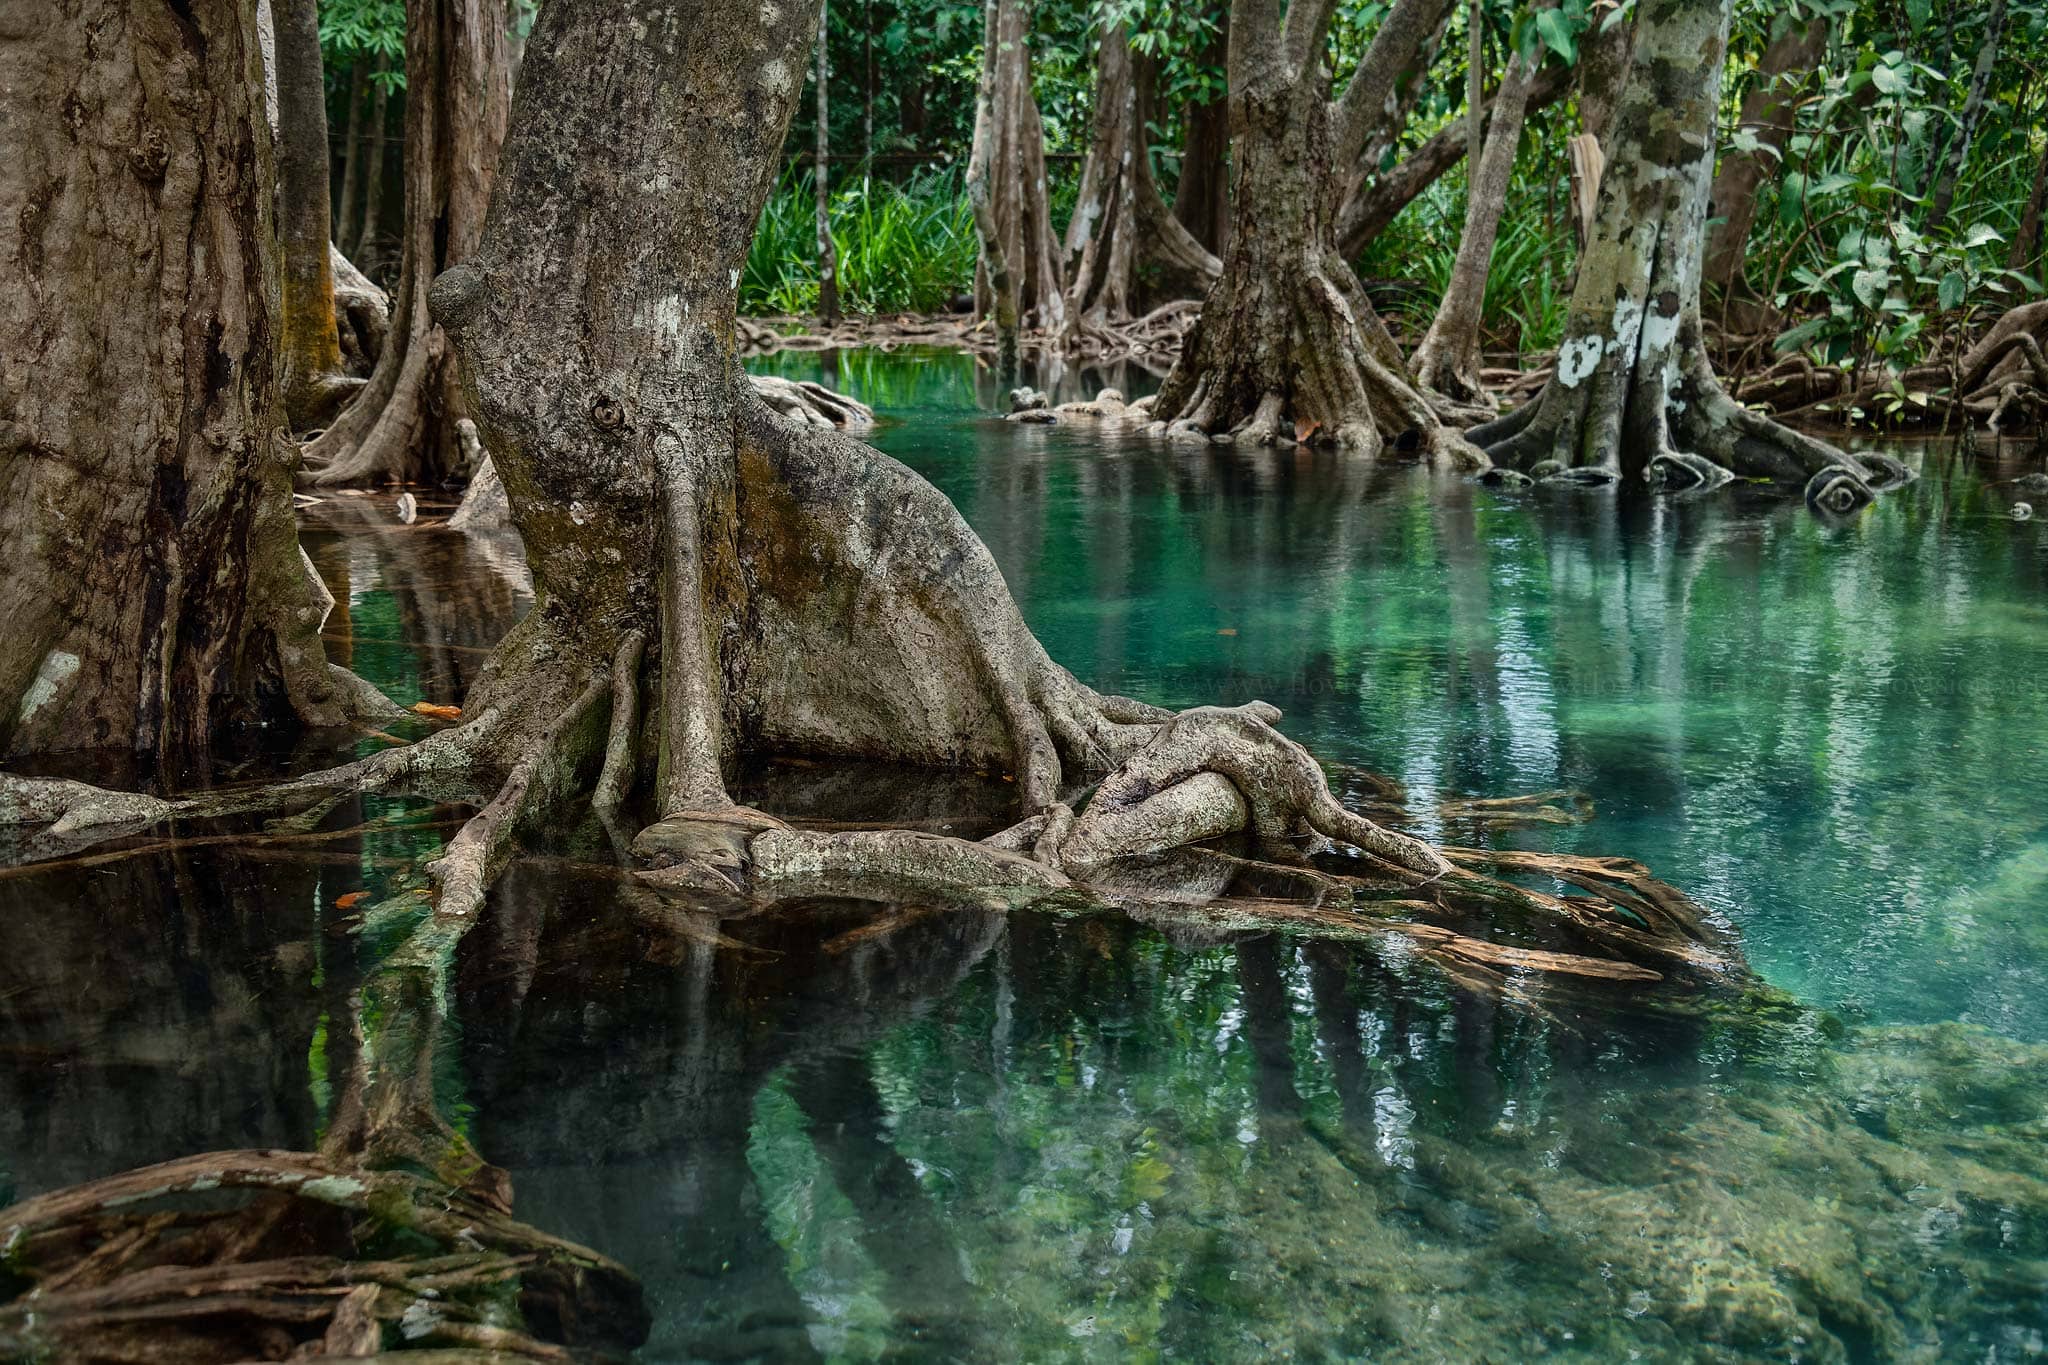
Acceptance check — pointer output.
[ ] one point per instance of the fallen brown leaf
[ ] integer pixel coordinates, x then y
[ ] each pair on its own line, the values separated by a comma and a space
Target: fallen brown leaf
437, 711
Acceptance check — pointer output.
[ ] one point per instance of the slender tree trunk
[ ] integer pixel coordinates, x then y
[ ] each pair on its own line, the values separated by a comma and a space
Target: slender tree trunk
1287, 345
309, 346
150, 573
1602, 72
404, 422
1201, 197
1447, 361
1965, 131
373, 175
1768, 111
1120, 220
828, 256
1015, 178
2026, 243
995, 281
1366, 214
1633, 393
345, 217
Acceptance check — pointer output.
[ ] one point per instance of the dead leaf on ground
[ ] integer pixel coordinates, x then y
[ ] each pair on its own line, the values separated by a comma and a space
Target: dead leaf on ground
437, 711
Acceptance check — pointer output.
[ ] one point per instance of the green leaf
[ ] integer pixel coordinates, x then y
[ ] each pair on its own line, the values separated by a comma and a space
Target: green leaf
1869, 284
1980, 233
1917, 12
1953, 287
1557, 34
1791, 198
1889, 79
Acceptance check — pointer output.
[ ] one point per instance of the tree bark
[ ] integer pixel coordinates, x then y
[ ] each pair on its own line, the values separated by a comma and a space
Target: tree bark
1366, 213
1768, 110
1287, 345
309, 346
1447, 360
345, 217
1965, 131
2026, 243
403, 423
1201, 197
373, 174
1015, 181
828, 257
1633, 393
1120, 220
149, 569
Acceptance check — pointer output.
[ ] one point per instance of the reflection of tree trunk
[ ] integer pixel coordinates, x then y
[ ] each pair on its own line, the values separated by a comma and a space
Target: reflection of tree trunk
458, 93
1268, 1025
1329, 968
899, 1228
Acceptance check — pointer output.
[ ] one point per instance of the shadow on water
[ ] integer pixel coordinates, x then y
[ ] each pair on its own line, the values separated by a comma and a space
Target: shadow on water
856, 1130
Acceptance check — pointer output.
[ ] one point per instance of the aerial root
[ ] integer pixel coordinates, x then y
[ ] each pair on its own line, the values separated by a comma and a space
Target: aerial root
621, 751
132, 1260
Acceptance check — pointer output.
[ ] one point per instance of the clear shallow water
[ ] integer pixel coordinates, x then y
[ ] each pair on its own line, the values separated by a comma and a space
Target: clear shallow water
851, 1131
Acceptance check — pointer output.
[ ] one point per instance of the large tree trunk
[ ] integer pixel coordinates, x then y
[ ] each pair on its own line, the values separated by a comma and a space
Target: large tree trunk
1447, 360
1120, 220
1287, 345
1382, 95
1021, 216
1633, 393
309, 347
1768, 111
402, 424
150, 575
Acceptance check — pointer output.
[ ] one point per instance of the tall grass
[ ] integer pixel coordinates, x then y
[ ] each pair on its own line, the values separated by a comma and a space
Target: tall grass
902, 248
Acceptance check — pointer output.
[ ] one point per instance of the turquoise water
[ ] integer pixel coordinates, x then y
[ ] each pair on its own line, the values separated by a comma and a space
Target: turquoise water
851, 1131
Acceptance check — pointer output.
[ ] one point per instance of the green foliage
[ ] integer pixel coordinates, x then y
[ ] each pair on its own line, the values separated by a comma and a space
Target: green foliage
352, 31
901, 248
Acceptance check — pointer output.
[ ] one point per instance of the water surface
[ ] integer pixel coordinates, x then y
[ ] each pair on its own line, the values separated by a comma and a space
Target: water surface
851, 1130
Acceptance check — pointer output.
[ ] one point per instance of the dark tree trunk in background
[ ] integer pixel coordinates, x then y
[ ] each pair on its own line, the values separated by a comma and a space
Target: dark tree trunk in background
345, 216
1768, 110
1201, 197
309, 347
403, 423
1447, 360
150, 574
1965, 131
1633, 393
2026, 242
1016, 181
1287, 345
376, 137
828, 257
1120, 220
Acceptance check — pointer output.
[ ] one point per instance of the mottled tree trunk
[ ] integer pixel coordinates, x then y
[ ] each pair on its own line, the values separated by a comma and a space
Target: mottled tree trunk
149, 571
402, 424
1633, 393
309, 347
821, 183
1120, 220
1016, 179
1287, 345
1447, 360
1768, 111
